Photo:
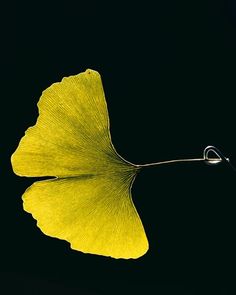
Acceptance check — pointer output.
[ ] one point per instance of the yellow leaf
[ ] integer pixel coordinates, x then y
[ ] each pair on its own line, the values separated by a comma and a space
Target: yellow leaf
89, 203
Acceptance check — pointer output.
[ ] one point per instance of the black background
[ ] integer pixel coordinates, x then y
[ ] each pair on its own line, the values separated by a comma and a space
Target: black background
168, 70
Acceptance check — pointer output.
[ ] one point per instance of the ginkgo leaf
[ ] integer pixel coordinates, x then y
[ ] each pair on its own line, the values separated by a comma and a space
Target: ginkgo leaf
89, 202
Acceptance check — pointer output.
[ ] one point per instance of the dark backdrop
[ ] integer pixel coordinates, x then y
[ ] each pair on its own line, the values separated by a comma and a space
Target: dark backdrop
168, 70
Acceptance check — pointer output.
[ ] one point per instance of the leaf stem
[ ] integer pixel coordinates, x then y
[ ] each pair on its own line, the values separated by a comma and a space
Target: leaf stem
208, 160
212, 160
